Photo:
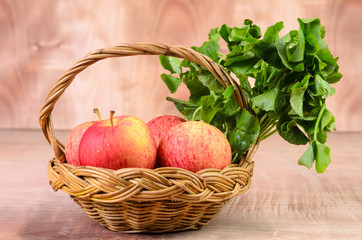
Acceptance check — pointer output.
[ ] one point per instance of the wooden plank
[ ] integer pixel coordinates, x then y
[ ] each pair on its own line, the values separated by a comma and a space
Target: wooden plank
41, 39
286, 201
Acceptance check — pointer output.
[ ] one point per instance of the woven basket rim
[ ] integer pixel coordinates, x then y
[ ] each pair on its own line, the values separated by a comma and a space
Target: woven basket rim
141, 184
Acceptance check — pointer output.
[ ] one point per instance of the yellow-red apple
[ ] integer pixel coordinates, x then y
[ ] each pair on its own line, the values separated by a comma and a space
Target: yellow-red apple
118, 142
160, 126
194, 146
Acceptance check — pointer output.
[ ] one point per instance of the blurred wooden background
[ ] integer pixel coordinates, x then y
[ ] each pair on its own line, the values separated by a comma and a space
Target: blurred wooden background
40, 39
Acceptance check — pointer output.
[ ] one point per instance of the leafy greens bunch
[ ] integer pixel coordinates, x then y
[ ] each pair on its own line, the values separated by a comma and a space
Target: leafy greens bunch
291, 76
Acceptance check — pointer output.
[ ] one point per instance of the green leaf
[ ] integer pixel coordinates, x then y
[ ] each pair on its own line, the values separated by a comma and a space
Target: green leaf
267, 52
322, 87
181, 102
318, 152
247, 122
272, 100
171, 64
312, 31
272, 32
185, 108
225, 32
209, 81
228, 91
213, 103
308, 126
185, 63
322, 156
288, 129
245, 134
297, 95
214, 35
266, 49
210, 105
307, 158
196, 88
290, 52
241, 62
172, 82
237, 54
200, 82
326, 57
243, 67
230, 109
334, 78
245, 86
210, 49
281, 49
238, 33
327, 119
322, 136
254, 30
295, 46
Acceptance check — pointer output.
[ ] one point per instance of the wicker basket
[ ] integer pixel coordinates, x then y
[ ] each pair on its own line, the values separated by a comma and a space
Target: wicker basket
145, 200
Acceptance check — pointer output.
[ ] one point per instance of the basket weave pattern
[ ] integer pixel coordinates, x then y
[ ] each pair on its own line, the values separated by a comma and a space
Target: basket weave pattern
145, 200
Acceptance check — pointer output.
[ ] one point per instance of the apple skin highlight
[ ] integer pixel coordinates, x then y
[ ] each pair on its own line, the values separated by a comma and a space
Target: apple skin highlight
126, 143
194, 146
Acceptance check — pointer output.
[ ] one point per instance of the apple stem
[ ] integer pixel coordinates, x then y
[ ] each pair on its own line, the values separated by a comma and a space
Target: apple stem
112, 113
96, 110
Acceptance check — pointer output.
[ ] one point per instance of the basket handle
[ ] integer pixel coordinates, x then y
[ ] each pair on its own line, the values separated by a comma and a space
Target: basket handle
122, 50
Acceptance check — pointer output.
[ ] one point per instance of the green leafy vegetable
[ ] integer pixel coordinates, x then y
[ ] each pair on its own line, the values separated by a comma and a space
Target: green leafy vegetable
291, 76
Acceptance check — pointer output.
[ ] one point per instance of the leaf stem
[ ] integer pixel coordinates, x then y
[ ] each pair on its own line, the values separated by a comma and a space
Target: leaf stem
235, 158
263, 118
318, 121
223, 57
196, 111
272, 74
265, 136
226, 128
267, 130
266, 124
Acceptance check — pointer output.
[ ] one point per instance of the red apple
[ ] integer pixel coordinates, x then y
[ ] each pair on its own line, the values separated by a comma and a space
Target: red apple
72, 143
73, 140
160, 126
194, 146
118, 142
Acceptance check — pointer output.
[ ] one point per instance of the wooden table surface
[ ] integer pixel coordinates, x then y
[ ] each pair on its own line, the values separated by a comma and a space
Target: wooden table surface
286, 201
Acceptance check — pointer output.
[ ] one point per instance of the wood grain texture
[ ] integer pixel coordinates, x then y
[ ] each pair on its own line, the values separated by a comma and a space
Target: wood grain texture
40, 39
285, 201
